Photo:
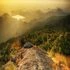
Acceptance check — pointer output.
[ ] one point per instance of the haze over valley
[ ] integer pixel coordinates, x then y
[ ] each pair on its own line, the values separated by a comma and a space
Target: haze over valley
34, 34
13, 25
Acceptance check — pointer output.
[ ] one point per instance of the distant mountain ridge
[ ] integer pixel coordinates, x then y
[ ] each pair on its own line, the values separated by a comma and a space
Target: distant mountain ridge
56, 19
55, 22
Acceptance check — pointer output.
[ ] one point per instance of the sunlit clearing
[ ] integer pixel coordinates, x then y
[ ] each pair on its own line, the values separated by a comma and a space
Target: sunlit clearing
18, 17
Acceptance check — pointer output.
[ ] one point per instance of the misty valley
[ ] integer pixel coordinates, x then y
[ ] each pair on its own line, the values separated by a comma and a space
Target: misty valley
40, 35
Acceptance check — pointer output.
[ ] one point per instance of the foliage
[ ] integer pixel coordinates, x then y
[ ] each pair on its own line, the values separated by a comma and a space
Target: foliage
53, 41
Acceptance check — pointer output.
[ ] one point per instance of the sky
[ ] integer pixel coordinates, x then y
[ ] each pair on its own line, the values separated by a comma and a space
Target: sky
31, 1
6, 5
12, 2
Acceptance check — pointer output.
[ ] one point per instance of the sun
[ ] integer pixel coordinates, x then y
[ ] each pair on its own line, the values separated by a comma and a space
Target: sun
18, 17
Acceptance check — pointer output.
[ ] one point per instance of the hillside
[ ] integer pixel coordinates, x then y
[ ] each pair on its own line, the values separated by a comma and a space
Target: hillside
48, 32
26, 58
51, 34
54, 23
33, 59
35, 20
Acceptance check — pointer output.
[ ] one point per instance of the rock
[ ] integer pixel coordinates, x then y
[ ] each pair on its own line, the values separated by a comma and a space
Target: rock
28, 45
33, 59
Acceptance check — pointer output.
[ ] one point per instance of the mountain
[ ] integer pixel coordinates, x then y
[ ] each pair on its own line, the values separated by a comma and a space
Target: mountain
36, 20
50, 32
33, 59
54, 22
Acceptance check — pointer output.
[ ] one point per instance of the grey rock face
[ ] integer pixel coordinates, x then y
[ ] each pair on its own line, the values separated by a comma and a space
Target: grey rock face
28, 45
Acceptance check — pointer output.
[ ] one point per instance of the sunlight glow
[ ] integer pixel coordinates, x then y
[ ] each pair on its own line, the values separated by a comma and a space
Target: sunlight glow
18, 17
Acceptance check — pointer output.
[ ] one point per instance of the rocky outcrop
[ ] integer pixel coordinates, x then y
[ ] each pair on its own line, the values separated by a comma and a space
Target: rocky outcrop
32, 59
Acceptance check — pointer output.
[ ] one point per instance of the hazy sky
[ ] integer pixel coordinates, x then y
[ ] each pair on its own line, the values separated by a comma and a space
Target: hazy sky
32, 1
11, 4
